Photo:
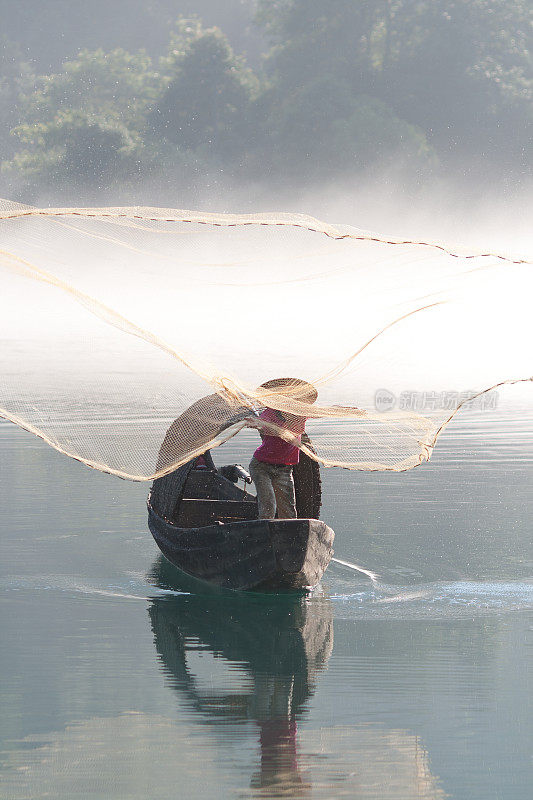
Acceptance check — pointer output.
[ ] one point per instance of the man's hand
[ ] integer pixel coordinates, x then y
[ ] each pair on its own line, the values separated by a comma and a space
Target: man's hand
253, 422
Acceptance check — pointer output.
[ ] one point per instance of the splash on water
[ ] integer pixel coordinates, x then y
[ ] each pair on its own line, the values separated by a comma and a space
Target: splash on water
372, 575
135, 588
440, 599
436, 600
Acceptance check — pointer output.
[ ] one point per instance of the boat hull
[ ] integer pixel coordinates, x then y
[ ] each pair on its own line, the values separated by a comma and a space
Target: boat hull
258, 554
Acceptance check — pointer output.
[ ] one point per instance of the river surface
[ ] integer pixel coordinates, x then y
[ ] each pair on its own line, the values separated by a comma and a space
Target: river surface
120, 682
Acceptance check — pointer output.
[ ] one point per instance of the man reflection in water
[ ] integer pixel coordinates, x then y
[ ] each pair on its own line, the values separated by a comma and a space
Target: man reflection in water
275, 717
272, 462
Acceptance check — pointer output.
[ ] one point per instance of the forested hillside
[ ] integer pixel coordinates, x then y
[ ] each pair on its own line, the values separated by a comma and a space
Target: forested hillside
97, 95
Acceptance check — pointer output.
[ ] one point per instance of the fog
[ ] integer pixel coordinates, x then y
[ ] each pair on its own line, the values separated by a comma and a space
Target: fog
385, 118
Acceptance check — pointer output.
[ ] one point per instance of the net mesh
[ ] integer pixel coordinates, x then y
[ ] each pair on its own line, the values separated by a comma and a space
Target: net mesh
122, 326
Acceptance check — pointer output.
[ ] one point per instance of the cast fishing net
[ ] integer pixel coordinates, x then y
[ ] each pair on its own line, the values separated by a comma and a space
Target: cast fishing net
122, 326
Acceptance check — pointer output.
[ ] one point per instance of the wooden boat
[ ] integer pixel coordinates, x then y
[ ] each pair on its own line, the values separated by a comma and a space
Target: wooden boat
207, 526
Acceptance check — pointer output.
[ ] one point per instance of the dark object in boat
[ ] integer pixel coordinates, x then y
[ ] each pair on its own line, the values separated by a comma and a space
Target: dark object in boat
235, 473
207, 526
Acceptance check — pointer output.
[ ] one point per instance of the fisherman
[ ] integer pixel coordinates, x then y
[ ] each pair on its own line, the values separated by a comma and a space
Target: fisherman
272, 463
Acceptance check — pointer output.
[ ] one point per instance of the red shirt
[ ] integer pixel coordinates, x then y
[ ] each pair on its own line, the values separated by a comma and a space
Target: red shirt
275, 450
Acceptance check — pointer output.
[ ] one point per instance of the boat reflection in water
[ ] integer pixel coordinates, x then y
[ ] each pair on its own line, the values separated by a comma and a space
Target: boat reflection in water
279, 642
238, 659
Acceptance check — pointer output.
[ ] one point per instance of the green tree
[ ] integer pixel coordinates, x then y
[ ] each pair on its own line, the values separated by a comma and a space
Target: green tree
75, 147
15, 78
313, 39
328, 130
207, 104
460, 70
85, 123
322, 112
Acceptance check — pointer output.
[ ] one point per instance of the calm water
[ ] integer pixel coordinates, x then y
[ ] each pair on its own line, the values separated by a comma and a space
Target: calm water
120, 682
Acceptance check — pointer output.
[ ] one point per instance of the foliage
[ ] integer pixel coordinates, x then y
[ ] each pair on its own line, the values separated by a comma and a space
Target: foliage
460, 66
459, 69
348, 86
85, 122
65, 27
208, 99
331, 131
75, 146
15, 78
